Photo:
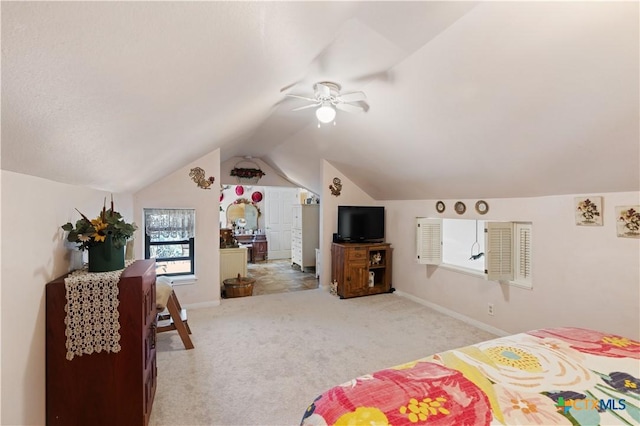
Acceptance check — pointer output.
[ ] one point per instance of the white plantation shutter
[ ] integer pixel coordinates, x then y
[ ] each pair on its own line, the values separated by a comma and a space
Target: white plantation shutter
523, 255
499, 251
429, 241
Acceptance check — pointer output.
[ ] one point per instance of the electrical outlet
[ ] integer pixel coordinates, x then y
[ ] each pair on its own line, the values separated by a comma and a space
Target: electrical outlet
490, 309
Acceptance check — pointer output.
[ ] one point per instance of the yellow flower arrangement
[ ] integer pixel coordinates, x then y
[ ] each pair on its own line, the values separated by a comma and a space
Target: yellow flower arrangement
90, 232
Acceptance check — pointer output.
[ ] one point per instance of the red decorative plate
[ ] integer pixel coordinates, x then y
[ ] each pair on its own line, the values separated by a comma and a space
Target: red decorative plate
256, 196
221, 196
239, 190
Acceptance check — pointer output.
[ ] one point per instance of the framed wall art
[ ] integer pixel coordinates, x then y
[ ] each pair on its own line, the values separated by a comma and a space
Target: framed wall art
588, 211
482, 207
628, 221
460, 208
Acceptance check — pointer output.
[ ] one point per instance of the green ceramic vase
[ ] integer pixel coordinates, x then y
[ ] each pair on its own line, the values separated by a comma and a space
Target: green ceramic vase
104, 257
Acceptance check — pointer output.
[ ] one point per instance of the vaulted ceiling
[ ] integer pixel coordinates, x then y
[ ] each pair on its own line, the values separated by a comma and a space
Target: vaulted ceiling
466, 100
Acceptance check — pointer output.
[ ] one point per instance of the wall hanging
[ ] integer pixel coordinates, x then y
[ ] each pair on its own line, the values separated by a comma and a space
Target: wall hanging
460, 208
588, 211
440, 206
482, 207
256, 196
239, 190
336, 187
247, 172
198, 176
628, 221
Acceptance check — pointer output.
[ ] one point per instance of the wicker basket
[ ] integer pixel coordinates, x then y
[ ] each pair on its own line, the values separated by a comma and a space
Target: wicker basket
238, 287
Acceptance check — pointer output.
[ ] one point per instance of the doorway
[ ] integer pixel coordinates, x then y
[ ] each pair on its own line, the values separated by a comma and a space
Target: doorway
278, 220
275, 220
277, 276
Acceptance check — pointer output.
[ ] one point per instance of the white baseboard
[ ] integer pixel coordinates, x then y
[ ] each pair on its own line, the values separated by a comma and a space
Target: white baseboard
202, 305
454, 314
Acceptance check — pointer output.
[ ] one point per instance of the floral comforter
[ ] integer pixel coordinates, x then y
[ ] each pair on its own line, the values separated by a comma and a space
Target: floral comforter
560, 376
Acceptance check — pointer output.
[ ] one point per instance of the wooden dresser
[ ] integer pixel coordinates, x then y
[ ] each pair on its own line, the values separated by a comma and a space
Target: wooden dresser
105, 388
361, 269
259, 246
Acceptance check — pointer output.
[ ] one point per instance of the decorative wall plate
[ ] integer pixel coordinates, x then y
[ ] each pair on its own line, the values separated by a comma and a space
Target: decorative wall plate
239, 190
256, 196
482, 207
440, 206
221, 196
460, 208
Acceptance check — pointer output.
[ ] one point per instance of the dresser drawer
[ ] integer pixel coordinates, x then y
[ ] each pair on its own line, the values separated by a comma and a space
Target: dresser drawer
357, 254
296, 242
296, 256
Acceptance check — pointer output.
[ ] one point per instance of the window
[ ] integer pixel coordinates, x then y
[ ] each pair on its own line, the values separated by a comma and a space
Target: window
463, 244
505, 246
169, 239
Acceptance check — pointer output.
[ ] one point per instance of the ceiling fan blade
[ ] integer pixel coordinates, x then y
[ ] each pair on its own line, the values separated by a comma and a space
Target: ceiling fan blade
302, 97
385, 75
289, 86
349, 107
352, 97
306, 106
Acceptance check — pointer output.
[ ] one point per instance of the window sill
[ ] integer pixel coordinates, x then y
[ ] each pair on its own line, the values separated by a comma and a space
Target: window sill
524, 286
482, 275
183, 279
466, 271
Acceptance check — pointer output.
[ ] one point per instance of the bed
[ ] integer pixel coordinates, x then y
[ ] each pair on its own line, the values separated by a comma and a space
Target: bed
558, 376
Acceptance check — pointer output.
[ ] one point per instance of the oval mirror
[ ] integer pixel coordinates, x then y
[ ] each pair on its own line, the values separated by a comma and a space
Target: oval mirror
247, 212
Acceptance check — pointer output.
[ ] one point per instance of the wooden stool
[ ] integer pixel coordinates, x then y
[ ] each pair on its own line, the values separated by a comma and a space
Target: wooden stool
171, 316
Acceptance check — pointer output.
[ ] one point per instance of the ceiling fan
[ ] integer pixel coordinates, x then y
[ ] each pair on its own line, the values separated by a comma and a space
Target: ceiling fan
327, 98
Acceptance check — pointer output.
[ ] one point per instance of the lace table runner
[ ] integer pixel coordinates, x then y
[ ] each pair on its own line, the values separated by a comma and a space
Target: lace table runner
92, 312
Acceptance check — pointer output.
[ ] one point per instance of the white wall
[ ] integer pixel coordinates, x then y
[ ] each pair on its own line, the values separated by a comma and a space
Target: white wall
177, 190
582, 276
351, 195
33, 254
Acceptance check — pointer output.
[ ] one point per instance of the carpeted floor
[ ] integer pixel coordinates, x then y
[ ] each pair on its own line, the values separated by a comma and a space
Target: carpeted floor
261, 360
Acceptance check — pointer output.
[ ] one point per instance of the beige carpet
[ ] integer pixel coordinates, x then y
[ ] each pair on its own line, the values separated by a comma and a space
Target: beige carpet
261, 360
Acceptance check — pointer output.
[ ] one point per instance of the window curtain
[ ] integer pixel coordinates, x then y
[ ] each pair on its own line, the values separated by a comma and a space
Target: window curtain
162, 224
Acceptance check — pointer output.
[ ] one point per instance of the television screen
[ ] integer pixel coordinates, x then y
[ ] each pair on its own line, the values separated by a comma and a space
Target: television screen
360, 223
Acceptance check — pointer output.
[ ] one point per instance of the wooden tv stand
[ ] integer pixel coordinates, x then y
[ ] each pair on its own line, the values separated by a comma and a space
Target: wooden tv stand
352, 265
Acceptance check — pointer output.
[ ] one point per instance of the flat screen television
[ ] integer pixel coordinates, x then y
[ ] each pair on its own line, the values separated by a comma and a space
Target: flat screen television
360, 224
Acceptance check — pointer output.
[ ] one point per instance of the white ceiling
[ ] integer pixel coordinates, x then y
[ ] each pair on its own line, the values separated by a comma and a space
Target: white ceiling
466, 100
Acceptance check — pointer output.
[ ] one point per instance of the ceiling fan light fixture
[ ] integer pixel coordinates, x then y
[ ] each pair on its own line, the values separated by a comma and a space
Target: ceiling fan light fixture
326, 113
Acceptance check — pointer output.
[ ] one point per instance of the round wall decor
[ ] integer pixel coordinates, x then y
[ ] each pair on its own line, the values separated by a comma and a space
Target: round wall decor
256, 197
239, 190
460, 208
440, 206
482, 207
